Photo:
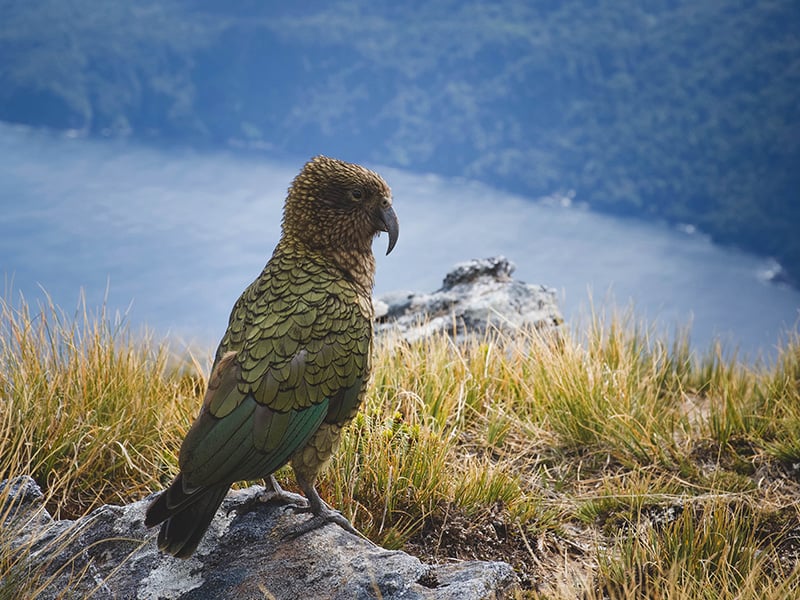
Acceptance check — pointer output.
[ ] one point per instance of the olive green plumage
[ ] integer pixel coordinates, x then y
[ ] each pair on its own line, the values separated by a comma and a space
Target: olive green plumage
292, 367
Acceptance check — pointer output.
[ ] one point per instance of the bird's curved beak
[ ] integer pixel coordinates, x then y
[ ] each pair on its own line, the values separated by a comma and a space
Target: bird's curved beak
387, 221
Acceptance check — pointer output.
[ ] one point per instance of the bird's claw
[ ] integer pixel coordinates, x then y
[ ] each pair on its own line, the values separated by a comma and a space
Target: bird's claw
273, 492
296, 501
323, 517
302, 508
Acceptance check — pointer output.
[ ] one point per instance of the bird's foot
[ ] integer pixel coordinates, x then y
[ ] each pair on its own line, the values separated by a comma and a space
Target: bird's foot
322, 516
273, 492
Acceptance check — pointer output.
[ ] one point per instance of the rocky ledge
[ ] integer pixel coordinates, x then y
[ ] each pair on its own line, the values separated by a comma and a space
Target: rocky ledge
110, 554
475, 295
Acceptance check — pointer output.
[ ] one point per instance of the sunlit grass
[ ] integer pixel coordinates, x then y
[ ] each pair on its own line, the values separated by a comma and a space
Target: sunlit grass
606, 461
715, 548
87, 410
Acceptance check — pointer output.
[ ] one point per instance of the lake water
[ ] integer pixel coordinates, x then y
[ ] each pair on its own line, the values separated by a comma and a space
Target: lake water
173, 237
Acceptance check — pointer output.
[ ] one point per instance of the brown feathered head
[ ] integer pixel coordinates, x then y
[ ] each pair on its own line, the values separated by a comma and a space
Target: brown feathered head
335, 206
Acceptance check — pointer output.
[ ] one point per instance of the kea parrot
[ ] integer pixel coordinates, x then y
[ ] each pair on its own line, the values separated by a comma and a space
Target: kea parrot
293, 366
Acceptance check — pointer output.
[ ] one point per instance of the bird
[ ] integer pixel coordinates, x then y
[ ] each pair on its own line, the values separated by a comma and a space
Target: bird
293, 365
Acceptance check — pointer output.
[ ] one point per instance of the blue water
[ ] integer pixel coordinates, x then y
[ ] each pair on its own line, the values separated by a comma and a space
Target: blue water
171, 238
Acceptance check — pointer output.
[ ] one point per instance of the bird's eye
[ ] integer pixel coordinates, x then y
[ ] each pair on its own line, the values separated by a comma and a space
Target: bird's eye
356, 194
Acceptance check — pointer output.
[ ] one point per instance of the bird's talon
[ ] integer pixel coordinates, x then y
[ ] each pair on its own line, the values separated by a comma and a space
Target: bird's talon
273, 492
284, 498
303, 508
319, 520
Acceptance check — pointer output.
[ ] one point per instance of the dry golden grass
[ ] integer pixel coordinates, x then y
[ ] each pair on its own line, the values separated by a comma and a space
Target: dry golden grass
90, 412
609, 463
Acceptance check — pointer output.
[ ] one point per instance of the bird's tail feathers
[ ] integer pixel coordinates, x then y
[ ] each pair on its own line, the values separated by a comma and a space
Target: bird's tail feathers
184, 517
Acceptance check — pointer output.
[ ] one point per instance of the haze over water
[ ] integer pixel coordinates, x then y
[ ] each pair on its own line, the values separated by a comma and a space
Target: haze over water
173, 237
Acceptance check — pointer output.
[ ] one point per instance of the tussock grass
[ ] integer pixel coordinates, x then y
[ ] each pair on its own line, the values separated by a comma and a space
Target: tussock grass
715, 548
90, 412
605, 462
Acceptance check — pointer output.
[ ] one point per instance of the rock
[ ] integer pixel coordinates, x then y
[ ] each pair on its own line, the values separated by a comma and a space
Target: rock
110, 554
475, 295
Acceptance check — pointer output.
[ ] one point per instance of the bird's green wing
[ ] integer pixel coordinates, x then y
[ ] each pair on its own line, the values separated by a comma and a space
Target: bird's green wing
296, 356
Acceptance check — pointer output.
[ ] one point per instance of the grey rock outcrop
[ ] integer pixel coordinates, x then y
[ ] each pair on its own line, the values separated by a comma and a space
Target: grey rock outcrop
474, 296
110, 554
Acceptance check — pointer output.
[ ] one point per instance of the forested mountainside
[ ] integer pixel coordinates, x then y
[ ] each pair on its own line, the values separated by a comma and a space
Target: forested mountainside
676, 110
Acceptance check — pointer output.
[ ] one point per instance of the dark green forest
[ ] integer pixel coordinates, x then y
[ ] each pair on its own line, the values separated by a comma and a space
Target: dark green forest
677, 110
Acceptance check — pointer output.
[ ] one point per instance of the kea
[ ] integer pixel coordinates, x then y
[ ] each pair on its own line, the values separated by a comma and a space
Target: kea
293, 366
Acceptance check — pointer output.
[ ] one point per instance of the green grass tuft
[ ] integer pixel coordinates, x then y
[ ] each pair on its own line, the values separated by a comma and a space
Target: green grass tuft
604, 462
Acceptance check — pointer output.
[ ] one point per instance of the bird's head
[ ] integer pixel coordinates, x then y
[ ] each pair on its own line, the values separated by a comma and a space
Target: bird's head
339, 207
